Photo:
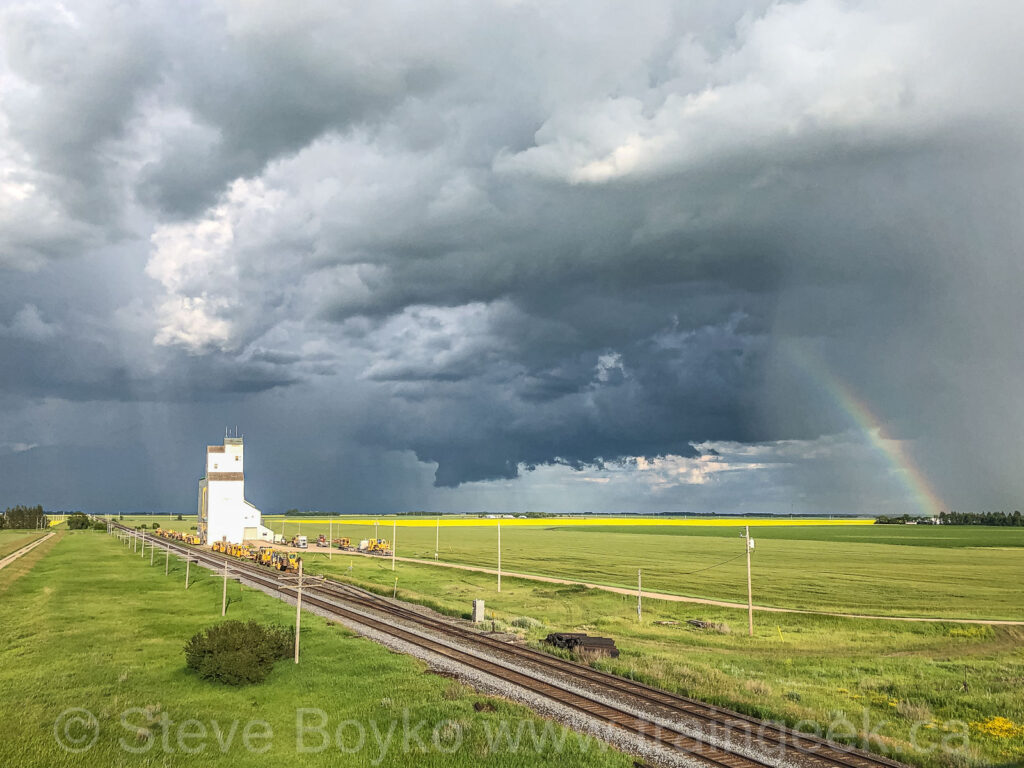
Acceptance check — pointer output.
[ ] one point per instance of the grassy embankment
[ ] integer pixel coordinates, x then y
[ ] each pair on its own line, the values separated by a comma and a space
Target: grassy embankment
90, 626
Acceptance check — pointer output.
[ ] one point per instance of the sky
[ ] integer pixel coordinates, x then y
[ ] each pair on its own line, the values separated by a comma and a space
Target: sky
735, 257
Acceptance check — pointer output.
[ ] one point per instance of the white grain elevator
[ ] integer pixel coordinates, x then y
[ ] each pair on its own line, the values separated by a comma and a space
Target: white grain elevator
224, 514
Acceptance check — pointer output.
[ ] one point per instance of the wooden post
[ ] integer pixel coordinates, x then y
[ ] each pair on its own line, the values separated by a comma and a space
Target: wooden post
394, 542
499, 555
639, 596
330, 538
298, 611
437, 537
152, 546
750, 591
187, 562
167, 559
224, 593
395, 593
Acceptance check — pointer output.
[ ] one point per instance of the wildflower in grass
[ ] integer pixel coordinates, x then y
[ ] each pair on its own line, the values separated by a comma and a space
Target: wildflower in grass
1000, 728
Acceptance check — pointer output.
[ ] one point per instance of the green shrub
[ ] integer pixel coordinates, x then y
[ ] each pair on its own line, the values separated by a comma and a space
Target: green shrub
238, 653
78, 521
98, 526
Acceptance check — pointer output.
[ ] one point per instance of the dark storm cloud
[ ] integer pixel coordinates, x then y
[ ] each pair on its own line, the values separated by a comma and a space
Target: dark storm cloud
522, 235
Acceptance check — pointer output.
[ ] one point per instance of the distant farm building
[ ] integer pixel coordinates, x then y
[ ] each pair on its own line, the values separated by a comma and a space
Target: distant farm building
224, 514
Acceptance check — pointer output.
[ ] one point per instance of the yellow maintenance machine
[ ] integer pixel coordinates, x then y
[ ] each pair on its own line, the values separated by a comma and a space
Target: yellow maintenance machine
285, 561
379, 547
342, 543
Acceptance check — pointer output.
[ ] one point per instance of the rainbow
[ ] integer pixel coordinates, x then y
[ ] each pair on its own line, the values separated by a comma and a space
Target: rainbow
894, 451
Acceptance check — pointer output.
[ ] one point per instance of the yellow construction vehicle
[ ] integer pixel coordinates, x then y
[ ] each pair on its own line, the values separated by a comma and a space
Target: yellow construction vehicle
342, 543
265, 556
285, 561
379, 547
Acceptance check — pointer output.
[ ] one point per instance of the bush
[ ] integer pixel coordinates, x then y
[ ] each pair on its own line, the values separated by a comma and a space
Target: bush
98, 526
78, 521
238, 653
180, 517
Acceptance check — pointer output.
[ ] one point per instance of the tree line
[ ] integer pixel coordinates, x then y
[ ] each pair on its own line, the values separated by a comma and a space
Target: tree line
1011, 519
982, 518
21, 516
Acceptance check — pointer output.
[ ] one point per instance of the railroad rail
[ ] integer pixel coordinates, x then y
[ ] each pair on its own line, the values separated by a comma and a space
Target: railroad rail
759, 735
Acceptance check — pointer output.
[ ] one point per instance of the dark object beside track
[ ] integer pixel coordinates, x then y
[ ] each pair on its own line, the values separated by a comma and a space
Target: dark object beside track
583, 644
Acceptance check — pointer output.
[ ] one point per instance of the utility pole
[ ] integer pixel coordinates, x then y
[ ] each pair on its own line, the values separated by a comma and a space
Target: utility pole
639, 596
394, 542
224, 593
152, 546
499, 555
437, 538
330, 537
298, 611
750, 592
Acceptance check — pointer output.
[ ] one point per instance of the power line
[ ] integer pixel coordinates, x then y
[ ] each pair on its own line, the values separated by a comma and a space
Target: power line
708, 568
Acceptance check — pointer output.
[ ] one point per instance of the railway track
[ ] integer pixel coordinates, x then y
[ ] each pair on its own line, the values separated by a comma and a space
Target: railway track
816, 751
757, 737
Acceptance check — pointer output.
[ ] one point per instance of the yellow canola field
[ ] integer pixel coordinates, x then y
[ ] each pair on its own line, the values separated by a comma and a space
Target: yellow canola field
558, 521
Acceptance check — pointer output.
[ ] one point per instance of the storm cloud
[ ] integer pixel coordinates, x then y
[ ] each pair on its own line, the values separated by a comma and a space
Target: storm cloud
566, 256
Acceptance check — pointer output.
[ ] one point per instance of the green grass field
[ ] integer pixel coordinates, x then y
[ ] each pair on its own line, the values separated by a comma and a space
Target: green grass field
91, 626
944, 572
906, 679
11, 541
797, 668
